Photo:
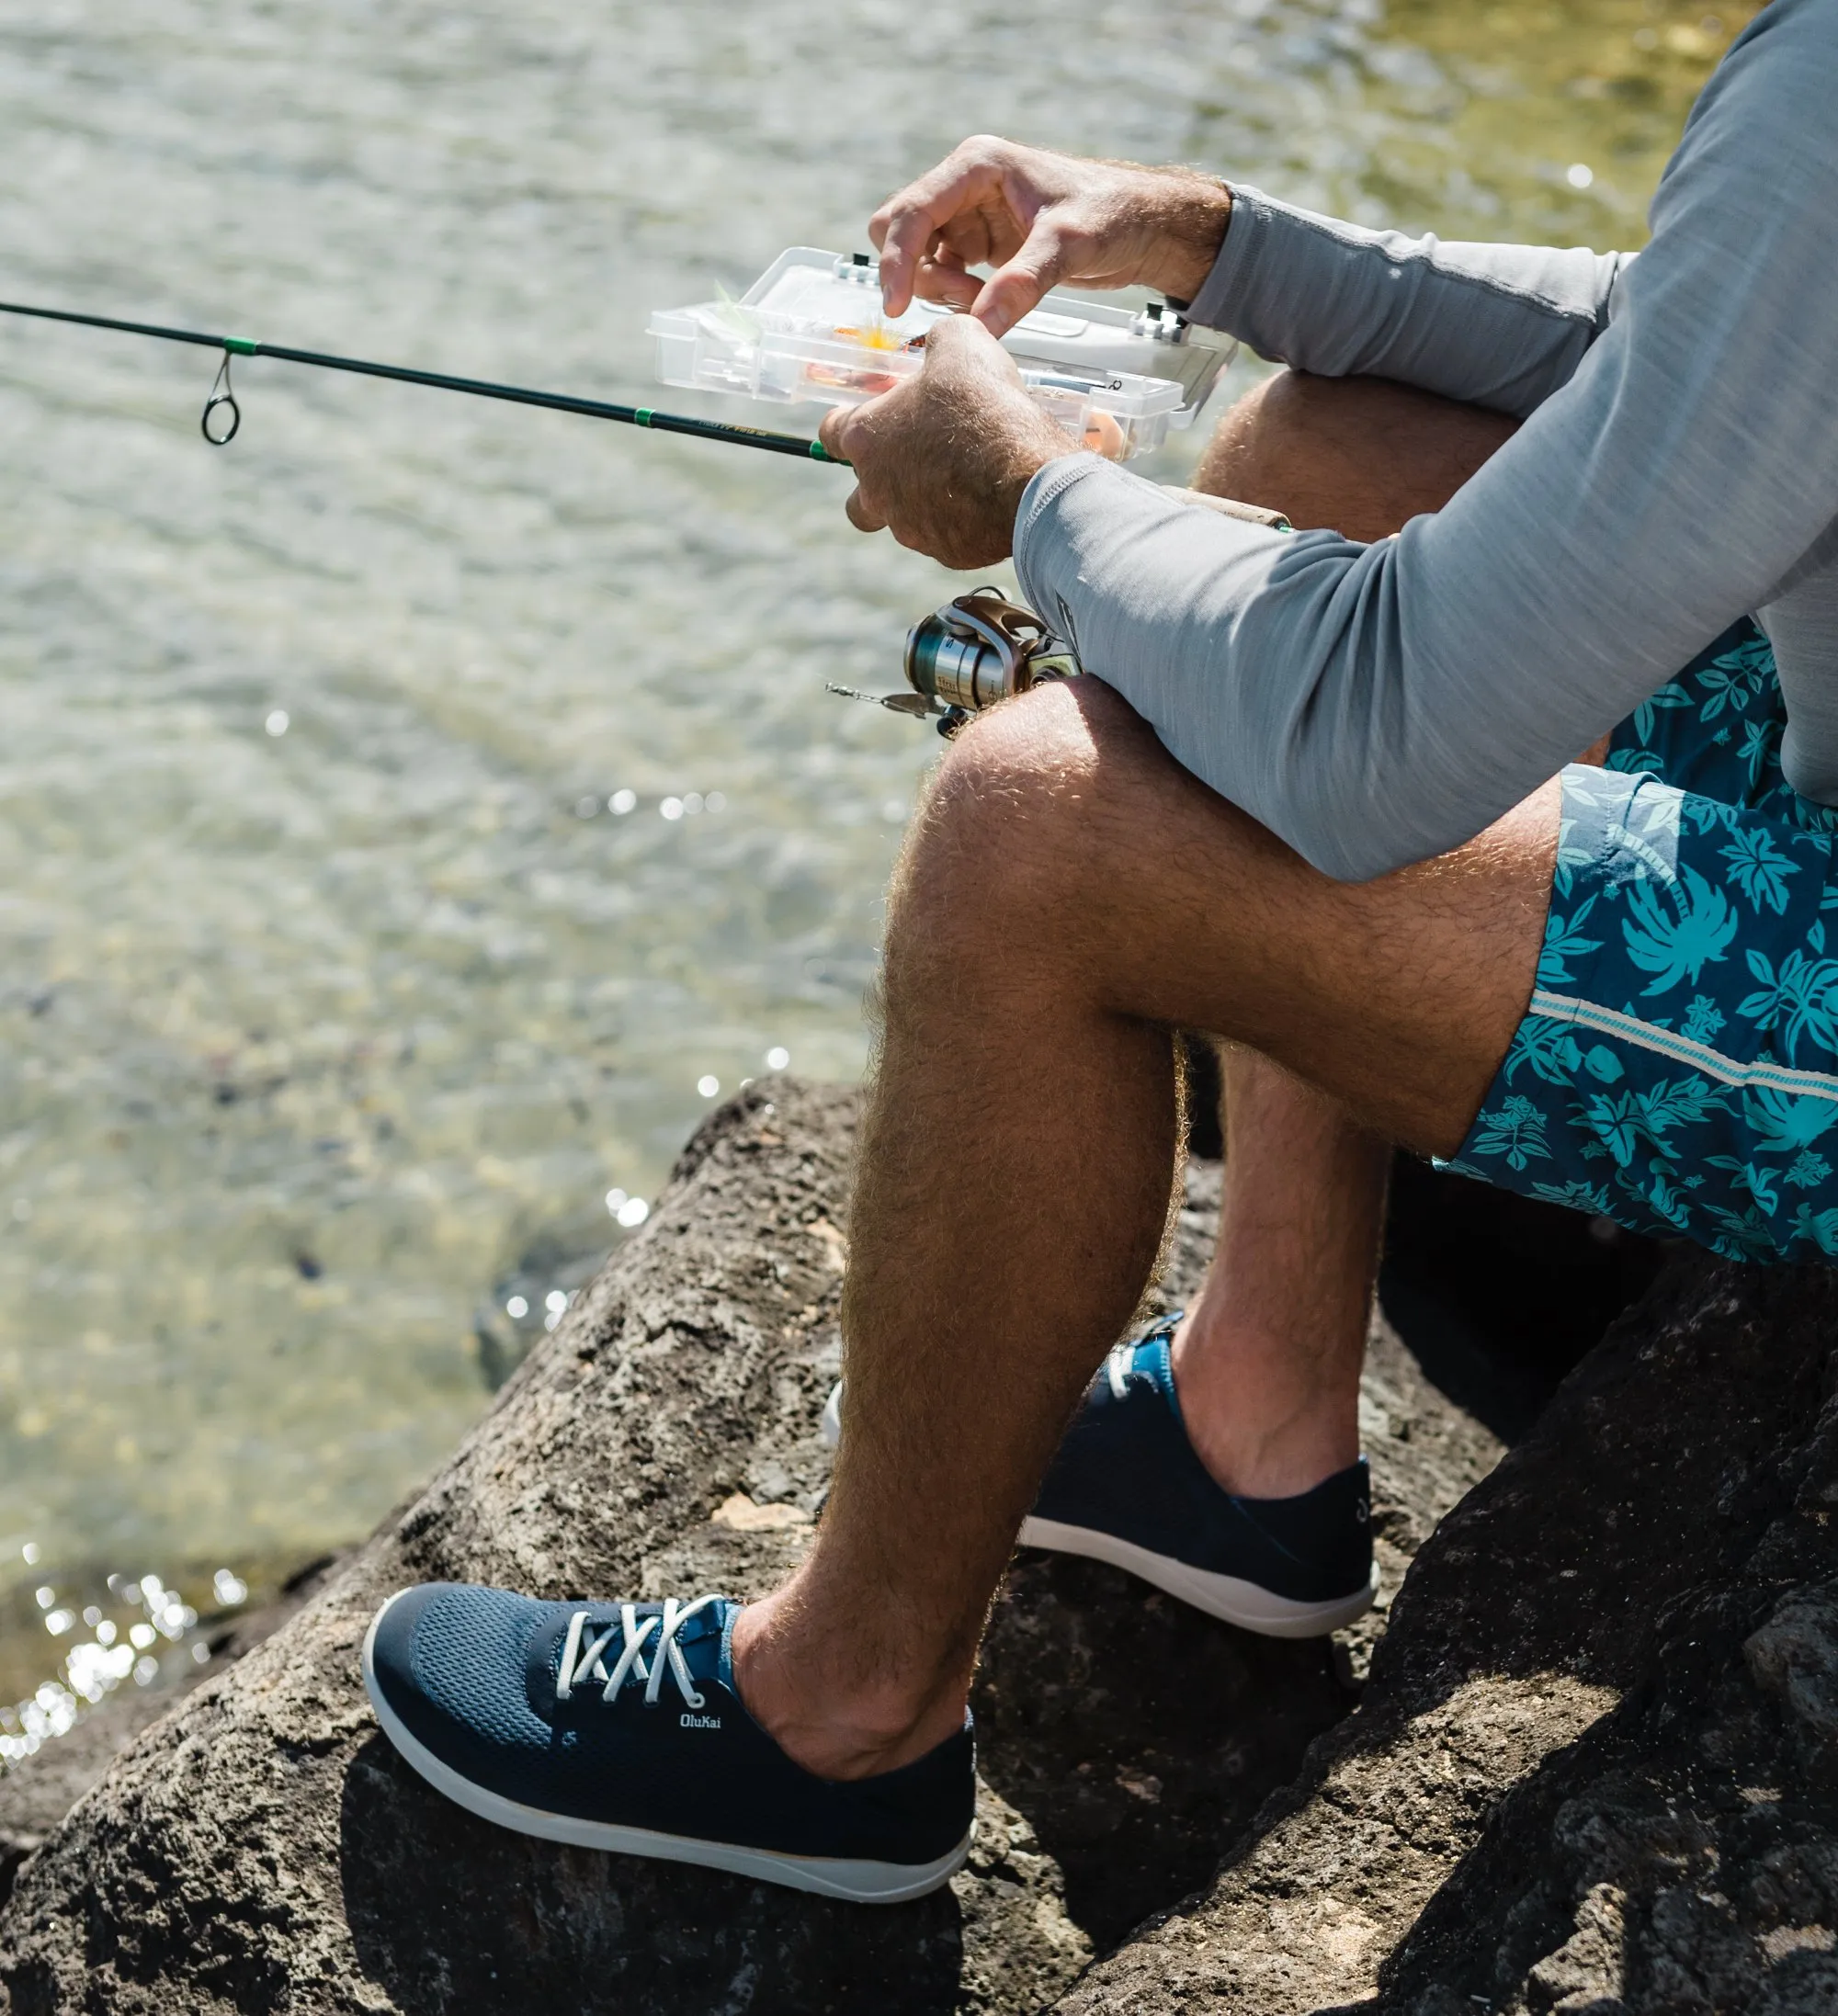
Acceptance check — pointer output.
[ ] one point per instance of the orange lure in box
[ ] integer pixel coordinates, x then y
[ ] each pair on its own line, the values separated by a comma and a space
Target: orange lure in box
1117, 377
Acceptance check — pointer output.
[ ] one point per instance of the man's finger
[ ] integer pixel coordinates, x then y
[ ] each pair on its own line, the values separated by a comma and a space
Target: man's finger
1021, 285
942, 277
964, 343
903, 227
832, 429
859, 516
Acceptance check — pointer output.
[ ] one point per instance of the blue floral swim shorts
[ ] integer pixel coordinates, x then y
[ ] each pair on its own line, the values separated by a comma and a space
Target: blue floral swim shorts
1677, 1068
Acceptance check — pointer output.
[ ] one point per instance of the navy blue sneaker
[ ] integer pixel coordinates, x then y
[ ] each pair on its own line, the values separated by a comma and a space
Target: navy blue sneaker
617, 1725
1127, 1488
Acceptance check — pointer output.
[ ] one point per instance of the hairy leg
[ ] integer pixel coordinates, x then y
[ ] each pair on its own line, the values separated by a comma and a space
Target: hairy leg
1268, 1358
1359, 455
1069, 894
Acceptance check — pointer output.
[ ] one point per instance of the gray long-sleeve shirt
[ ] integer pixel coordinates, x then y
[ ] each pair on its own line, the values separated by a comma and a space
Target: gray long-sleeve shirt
1678, 467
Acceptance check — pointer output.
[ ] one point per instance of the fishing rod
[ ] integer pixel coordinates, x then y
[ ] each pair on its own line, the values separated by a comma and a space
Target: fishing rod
979, 648
222, 416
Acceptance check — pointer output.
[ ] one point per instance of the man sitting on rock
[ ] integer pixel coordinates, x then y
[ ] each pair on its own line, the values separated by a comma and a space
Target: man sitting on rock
1487, 813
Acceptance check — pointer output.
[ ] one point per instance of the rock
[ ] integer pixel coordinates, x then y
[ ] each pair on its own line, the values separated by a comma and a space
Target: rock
1794, 1659
261, 1847
1683, 1854
1592, 1771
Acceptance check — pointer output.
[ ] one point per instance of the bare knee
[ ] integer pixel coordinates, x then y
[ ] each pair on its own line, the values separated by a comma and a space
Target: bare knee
1001, 856
1359, 455
1276, 430
994, 817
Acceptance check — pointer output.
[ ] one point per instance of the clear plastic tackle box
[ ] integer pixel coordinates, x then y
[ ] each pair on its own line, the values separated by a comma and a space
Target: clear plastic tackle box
811, 328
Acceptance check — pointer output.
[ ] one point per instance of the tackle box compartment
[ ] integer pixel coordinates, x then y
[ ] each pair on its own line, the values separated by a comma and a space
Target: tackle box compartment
811, 328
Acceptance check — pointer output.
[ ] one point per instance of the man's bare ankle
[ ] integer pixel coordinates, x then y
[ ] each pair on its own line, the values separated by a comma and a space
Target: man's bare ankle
1260, 1438
831, 1726
1275, 1468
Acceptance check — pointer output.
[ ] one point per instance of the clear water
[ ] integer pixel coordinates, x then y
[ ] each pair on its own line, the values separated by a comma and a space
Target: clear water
316, 1046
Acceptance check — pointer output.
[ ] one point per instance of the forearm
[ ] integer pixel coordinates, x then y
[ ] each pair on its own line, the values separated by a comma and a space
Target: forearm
1372, 705
1500, 326
1292, 672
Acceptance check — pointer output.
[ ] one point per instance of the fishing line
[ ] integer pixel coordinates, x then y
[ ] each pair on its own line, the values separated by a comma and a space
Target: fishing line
222, 418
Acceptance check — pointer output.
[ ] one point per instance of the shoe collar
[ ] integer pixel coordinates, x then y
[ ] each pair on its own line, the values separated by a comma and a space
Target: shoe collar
1148, 1358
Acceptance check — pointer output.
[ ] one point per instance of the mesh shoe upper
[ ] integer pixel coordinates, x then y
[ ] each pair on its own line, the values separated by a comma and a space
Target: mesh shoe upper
1127, 1468
474, 1675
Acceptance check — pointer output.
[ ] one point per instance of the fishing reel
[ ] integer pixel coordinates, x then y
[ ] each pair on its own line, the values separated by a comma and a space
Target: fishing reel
979, 648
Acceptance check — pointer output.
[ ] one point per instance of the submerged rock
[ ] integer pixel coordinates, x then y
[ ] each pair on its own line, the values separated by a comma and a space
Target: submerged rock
1594, 1768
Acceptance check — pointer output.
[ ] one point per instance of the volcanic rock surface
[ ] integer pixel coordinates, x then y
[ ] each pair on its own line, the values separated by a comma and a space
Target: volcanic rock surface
1595, 1769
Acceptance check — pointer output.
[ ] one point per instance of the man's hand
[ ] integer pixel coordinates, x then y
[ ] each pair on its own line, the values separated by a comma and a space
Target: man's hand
1039, 219
942, 460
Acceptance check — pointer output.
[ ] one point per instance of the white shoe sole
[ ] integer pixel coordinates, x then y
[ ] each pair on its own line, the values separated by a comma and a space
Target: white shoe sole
858, 1881
1226, 1596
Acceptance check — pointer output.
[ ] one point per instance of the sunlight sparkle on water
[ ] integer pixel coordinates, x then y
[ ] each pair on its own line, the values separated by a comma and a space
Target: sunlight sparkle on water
629, 1211
111, 1655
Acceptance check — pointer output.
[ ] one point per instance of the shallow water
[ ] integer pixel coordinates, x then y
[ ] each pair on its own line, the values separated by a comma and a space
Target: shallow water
319, 1046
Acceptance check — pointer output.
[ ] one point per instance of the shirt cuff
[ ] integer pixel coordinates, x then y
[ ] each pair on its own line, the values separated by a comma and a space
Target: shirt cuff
1247, 235
1034, 518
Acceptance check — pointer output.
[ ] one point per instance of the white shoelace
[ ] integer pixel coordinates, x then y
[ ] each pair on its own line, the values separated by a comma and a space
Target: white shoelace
1118, 1365
587, 1663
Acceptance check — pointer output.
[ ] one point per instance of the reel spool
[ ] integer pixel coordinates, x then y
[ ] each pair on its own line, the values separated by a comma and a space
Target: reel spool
979, 648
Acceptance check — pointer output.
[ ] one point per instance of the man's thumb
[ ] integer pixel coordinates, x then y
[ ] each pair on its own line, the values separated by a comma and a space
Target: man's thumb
1019, 287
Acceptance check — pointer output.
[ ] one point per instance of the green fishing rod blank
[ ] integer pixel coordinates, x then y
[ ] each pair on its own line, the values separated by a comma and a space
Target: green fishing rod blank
222, 416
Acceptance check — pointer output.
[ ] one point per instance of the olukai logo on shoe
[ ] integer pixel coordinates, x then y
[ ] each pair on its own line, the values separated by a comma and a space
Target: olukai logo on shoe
699, 1722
